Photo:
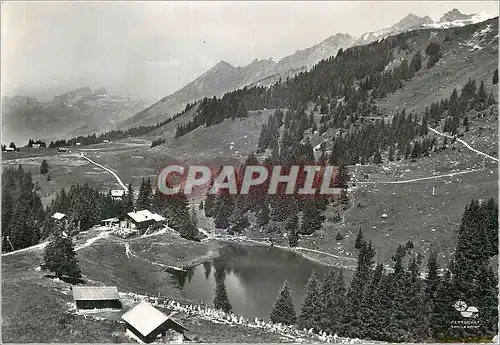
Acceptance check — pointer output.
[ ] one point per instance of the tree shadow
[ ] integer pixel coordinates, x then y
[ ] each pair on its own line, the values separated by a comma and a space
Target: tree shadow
70, 280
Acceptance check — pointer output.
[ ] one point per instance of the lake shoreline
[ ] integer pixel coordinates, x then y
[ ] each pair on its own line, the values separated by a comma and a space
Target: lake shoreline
324, 259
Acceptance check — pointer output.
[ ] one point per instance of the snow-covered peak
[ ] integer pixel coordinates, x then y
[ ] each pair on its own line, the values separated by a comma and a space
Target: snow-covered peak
411, 21
474, 18
454, 15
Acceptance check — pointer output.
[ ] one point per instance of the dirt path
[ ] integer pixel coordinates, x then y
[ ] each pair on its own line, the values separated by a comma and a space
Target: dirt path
420, 179
465, 144
36, 246
120, 182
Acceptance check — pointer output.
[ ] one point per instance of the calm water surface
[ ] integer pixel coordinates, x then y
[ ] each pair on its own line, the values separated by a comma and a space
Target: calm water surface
253, 276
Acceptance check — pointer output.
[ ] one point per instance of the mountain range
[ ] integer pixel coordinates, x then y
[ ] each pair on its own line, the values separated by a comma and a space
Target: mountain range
82, 111
77, 112
224, 77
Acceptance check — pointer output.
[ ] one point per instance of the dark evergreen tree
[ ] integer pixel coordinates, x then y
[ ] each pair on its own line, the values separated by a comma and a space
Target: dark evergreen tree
342, 177
359, 240
495, 77
221, 300
310, 314
283, 310
129, 199
377, 158
44, 167
313, 217
60, 257
263, 215
291, 228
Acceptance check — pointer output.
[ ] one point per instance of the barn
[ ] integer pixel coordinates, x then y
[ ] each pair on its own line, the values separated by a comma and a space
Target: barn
146, 324
96, 297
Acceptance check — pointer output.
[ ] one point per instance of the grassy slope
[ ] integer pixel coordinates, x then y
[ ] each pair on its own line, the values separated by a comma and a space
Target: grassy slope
65, 169
459, 63
413, 213
36, 308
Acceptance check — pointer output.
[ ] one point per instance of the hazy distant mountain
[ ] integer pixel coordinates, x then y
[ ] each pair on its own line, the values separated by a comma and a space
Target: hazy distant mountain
311, 56
77, 112
224, 77
218, 80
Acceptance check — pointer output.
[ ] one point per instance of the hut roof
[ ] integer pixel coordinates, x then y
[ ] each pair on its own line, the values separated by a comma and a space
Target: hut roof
144, 215
95, 293
117, 192
144, 318
58, 215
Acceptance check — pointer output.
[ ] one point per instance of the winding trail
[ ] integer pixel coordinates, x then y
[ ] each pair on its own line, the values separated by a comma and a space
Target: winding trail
120, 182
420, 178
36, 246
465, 144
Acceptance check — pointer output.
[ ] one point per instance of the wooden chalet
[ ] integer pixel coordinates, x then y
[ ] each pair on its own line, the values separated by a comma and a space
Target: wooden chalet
147, 324
142, 221
118, 194
96, 297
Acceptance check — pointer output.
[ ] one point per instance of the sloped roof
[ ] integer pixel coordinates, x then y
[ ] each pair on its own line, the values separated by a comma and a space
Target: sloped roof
58, 215
95, 293
144, 215
158, 218
144, 318
117, 192
114, 219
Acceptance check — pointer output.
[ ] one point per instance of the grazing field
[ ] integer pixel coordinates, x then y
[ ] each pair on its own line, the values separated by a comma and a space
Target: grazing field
65, 169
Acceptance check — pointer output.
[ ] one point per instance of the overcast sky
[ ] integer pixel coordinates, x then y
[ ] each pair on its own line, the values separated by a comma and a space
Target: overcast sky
151, 49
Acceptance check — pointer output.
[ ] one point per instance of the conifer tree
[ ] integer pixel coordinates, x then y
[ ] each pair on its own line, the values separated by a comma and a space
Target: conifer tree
263, 215
313, 217
465, 123
481, 97
224, 211
353, 316
283, 310
359, 240
129, 199
342, 177
390, 154
60, 257
416, 63
44, 167
221, 300
330, 312
495, 77
194, 218
291, 228
310, 314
